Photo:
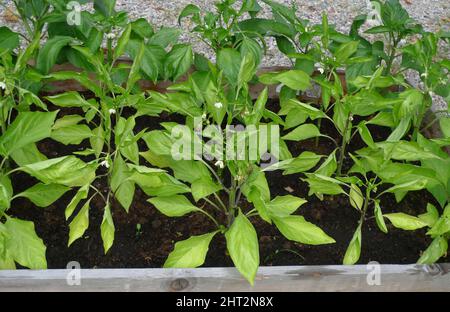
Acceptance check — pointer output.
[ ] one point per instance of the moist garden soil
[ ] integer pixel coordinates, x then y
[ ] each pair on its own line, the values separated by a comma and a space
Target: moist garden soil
144, 237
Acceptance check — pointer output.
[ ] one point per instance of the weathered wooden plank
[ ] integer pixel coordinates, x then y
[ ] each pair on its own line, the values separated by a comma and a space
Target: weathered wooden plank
271, 279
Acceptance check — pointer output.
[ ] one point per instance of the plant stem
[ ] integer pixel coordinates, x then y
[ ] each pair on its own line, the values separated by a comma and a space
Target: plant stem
343, 145
232, 202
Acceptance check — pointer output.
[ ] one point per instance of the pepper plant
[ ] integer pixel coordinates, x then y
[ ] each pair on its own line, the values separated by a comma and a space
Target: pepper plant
230, 191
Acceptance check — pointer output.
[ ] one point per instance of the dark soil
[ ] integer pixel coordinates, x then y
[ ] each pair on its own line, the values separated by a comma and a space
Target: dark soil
150, 245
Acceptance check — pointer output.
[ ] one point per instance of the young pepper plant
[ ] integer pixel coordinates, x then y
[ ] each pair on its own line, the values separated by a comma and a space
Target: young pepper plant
221, 185
113, 142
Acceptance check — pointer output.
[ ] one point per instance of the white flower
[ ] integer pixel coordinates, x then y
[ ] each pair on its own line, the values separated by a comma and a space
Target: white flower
110, 36
278, 89
2, 85
112, 111
321, 70
105, 164
219, 164
218, 105
204, 116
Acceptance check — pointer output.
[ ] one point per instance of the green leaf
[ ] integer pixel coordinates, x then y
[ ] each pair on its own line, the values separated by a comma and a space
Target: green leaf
190, 253
165, 37
178, 61
436, 250
353, 251
121, 183
6, 193
107, 229
297, 229
414, 185
69, 99
379, 217
173, 206
242, 245
431, 216
302, 132
329, 166
282, 206
356, 197
79, 224
204, 187
404, 221
105, 7
345, 51
67, 170
73, 134
258, 202
294, 79
24, 246
365, 135
320, 185
49, 53
81, 194
122, 42
266, 27
43, 195
27, 128
97, 140
444, 123
229, 60
188, 10
9, 40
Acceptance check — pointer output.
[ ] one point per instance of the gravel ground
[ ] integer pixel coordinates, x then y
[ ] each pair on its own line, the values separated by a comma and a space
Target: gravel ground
432, 14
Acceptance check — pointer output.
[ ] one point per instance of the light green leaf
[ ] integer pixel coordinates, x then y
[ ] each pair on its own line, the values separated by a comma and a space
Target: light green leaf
379, 217
43, 195
404, 221
69, 99
345, 51
353, 251
204, 187
122, 42
81, 194
282, 206
24, 246
73, 134
173, 206
27, 128
79, 224
356, 197
319, 185
436, 250
107, 229
6, 192
190, 253
294, 79
242, 244
431, 216
67, 170
302, 132
297, 229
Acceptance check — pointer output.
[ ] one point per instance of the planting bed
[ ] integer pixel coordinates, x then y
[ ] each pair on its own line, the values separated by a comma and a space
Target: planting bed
145, 237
